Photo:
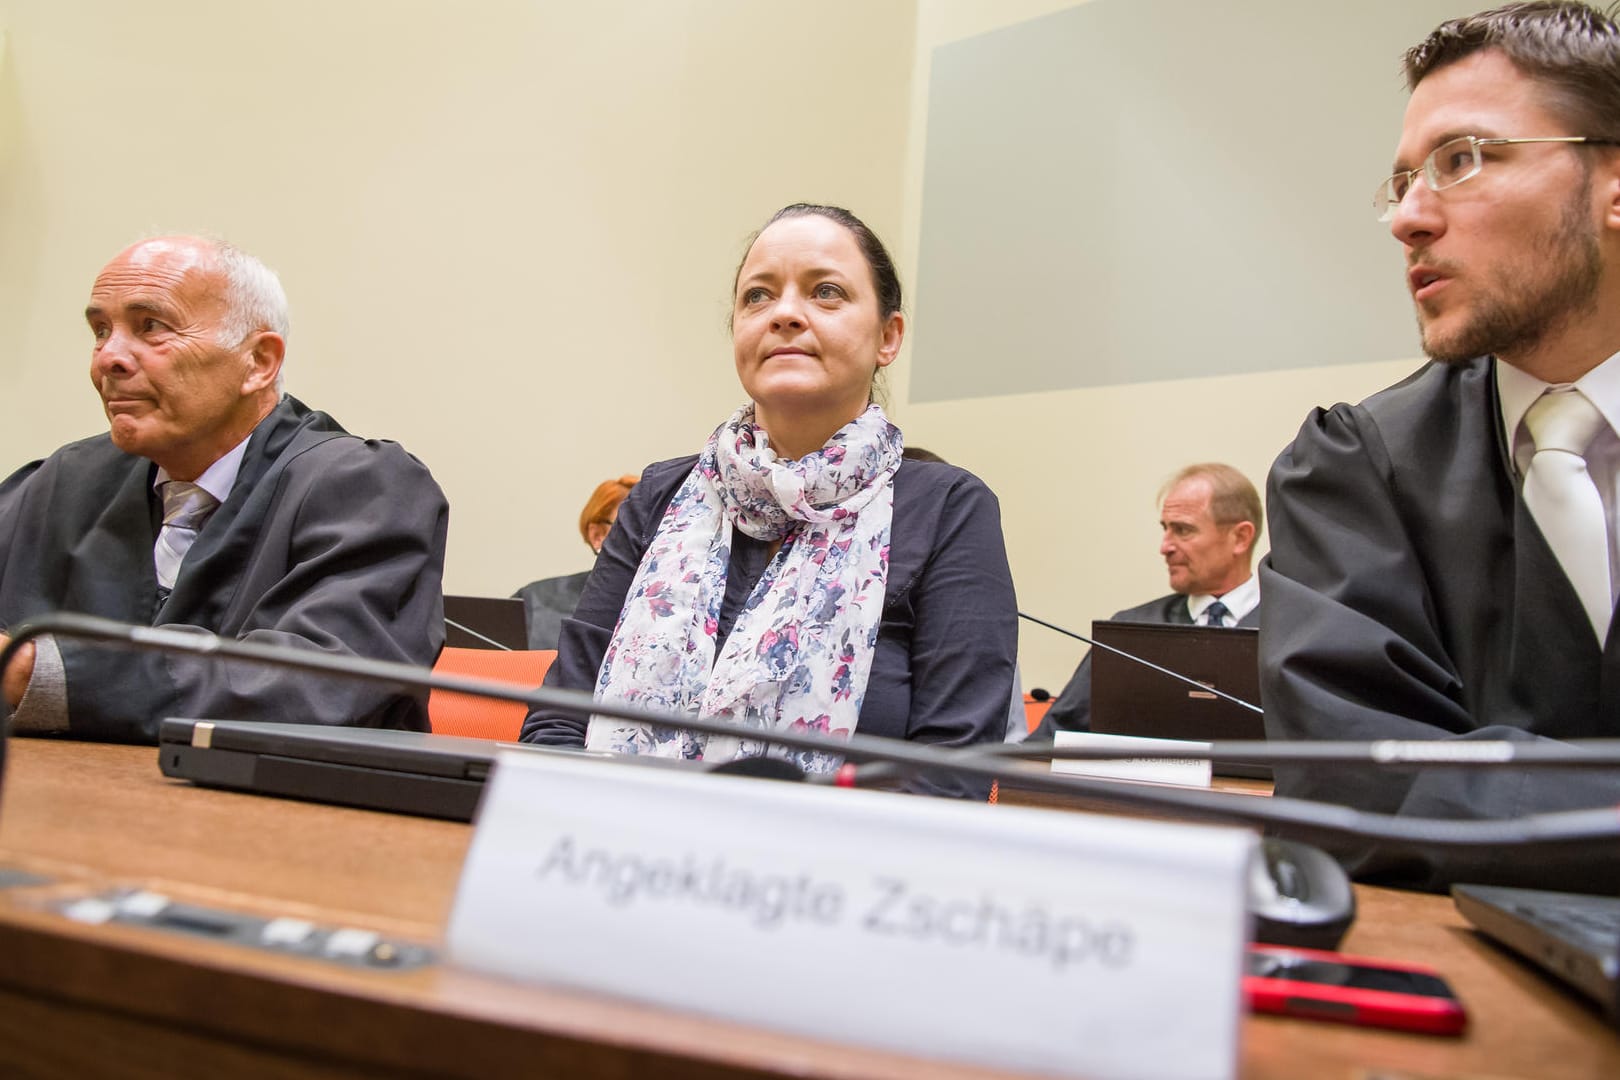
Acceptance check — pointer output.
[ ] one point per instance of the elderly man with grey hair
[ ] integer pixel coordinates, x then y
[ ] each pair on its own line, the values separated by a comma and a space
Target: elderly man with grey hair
216, 502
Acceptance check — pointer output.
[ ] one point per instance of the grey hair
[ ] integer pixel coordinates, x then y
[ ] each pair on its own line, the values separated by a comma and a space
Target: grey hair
254, 298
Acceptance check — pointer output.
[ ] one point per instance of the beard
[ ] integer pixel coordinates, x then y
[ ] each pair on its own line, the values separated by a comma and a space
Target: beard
1550, 286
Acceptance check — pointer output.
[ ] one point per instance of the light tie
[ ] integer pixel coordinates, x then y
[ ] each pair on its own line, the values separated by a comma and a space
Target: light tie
1216, 613
185, 507
1560, 493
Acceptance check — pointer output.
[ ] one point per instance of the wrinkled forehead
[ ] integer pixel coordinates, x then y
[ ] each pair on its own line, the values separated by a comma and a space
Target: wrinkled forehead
178, 270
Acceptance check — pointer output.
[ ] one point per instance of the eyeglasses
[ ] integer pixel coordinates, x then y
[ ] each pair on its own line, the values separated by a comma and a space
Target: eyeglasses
1453, 162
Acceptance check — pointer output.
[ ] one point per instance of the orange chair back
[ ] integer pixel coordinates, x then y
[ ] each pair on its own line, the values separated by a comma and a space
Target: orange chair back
1034, 711
450, 713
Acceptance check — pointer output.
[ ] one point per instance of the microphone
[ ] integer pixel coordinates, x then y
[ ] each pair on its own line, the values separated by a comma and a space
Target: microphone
1296, 818
1205, 687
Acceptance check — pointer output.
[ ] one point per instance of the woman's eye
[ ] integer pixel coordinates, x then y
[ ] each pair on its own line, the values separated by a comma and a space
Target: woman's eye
828, 291
753, 296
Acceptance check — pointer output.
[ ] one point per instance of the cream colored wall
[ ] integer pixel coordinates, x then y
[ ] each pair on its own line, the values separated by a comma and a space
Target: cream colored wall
507, 228
1077, 471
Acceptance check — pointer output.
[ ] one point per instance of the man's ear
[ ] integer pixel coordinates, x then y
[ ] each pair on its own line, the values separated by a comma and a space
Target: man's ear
1243, 536
264, 362
1606, 187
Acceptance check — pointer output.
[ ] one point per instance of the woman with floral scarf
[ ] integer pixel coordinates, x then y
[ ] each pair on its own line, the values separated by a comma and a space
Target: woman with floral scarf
797, 574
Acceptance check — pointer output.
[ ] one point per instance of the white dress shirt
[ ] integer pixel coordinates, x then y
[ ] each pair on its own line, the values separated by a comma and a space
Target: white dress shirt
217, 479
1518, 391
1239, 602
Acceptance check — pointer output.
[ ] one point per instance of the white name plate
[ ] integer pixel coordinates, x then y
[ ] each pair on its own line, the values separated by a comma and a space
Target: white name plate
1147, 767
864, 917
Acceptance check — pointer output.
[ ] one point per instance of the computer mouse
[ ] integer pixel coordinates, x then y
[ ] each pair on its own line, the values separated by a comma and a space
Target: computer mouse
1299, 895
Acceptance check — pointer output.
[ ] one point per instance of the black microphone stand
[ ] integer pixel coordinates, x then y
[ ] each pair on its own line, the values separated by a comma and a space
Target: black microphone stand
1293, 817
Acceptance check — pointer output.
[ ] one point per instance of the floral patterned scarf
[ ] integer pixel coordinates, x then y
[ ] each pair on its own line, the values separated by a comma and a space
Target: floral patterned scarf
800, 652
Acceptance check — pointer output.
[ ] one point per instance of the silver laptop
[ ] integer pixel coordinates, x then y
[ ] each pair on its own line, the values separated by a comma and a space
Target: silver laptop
1575, 938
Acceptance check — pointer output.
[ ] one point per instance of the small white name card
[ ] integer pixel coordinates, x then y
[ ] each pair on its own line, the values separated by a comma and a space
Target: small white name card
864, 917
1148, 767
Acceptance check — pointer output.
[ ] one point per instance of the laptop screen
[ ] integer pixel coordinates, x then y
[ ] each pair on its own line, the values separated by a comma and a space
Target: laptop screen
485, 622
1128, 698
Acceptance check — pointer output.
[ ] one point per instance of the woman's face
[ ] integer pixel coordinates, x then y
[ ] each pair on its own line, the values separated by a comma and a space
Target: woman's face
805, 325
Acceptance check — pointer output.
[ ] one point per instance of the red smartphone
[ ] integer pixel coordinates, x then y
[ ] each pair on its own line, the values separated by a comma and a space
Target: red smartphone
1351, 989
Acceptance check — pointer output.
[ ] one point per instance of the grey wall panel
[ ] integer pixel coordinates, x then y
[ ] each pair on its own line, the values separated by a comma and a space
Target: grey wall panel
1138, 190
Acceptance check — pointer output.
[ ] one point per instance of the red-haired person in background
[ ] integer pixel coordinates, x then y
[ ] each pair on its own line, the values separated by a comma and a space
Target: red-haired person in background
549, 601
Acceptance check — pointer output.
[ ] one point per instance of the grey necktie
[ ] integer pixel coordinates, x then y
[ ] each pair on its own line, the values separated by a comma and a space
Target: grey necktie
185, 507
1216, 613
1565, 501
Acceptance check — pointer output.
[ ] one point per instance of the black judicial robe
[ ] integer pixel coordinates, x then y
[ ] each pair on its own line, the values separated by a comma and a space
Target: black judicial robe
1072, 709
327, 541
1410, 595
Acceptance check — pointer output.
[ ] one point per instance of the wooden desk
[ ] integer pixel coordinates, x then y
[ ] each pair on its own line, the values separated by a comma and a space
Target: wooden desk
78, 1000
1010, 792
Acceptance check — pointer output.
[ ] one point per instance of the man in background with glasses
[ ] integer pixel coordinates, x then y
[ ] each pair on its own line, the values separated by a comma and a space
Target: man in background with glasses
1444, 559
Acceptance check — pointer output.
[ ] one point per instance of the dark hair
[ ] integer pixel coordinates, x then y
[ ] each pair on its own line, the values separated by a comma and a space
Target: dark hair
1231, 497
878, 261
1571, 48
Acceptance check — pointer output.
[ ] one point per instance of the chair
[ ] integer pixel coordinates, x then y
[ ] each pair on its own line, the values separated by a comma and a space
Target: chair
450, 713
1035, 710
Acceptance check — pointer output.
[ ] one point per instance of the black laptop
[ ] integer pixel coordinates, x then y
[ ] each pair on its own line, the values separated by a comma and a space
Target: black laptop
404, 772
1128, 698
485, 622
1575, 938
408, 772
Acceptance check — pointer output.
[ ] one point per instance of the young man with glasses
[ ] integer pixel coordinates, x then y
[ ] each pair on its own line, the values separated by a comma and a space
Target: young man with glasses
1444, 556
